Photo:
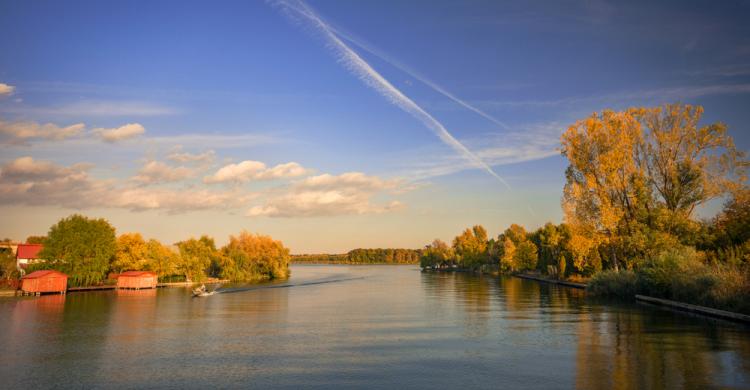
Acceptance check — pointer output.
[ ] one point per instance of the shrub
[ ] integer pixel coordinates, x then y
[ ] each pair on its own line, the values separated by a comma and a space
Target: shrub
622, 284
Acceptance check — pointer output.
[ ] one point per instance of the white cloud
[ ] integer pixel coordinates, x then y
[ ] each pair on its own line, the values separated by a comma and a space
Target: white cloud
130, 130
154, 172
6, 90
41, 183
329, 195
282, 171
248, 170
26, 181
186, 158
22, 132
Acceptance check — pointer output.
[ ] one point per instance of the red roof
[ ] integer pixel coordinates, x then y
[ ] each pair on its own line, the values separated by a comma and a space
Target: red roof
45, 274
29, 251
135, 274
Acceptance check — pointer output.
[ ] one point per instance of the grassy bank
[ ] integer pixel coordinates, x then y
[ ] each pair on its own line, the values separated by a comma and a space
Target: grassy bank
680, 276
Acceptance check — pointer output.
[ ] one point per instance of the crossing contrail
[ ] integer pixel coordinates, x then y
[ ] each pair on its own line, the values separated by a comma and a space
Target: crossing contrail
360, 68
416, 75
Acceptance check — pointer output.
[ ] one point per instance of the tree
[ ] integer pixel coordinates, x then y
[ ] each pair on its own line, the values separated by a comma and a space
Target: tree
8, 269
603, 179
35, 239
507, 259
688, 165
518, 252
195, 257
251, 257
471, 247
131, 254
161, 259
635, 177
80, 247
437, 254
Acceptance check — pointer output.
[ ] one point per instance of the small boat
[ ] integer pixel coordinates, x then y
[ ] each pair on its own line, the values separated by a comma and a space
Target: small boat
202, 292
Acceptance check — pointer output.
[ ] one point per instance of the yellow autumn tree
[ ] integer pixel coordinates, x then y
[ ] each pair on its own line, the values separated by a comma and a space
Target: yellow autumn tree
688, 164
131, 253
635, 177
603, 179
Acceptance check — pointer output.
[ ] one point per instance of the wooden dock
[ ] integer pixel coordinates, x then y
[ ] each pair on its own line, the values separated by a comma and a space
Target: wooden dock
553, 281
723, 314
92, 288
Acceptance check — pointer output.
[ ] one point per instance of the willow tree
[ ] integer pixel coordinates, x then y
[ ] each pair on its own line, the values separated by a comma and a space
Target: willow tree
161, 259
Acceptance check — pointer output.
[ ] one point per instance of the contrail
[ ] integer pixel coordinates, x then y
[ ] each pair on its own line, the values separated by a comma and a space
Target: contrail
416, 75
375, 80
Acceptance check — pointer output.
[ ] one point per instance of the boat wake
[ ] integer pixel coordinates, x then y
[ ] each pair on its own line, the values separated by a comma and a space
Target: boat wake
230, 290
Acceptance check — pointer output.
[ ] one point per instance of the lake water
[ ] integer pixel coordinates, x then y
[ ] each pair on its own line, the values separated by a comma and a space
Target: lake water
364, 326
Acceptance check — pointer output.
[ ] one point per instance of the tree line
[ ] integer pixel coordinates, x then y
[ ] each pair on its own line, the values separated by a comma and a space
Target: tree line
634, 182
364, 256
88, 250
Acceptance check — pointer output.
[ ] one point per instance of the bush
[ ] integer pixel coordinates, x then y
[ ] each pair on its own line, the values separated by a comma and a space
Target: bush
621, 284
680, 274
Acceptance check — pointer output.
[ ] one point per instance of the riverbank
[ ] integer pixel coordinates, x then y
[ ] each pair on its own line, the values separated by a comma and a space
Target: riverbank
675, 305
553, 281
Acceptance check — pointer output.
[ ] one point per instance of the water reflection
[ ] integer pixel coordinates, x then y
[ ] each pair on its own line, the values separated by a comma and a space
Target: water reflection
616, 345
376, 327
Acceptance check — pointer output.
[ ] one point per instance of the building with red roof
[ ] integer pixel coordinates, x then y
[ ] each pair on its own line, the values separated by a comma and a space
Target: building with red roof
27, 254
137, 280
46, 281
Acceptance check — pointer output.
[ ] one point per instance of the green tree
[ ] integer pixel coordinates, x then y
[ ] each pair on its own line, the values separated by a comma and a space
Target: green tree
35, 239
195, 258
161, 259
80, 247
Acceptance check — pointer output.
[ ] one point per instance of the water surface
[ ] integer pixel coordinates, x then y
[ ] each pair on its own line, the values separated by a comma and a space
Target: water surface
365, 326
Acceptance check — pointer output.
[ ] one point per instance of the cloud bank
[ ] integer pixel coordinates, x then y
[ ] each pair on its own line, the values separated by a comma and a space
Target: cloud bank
31, 182
27, 181
329, 195
20, 133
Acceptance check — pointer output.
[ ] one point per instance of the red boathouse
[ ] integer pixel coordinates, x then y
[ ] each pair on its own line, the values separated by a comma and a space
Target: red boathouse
137, 280
46, 281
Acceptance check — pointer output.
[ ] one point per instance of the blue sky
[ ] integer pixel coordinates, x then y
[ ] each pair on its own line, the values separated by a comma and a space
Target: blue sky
333, 158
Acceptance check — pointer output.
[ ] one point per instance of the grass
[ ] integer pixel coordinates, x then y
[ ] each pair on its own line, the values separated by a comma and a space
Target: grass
680, 275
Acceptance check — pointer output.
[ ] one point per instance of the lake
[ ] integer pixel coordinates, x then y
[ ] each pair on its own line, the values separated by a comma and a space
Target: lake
364, 326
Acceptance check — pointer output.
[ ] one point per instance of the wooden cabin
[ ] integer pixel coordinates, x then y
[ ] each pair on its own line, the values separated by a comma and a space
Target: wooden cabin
137, 280
46, 281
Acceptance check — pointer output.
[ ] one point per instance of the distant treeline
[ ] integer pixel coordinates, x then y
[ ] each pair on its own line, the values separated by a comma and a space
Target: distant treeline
364, 256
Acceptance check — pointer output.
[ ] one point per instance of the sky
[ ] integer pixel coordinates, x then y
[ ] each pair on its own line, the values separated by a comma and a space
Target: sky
333, 125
